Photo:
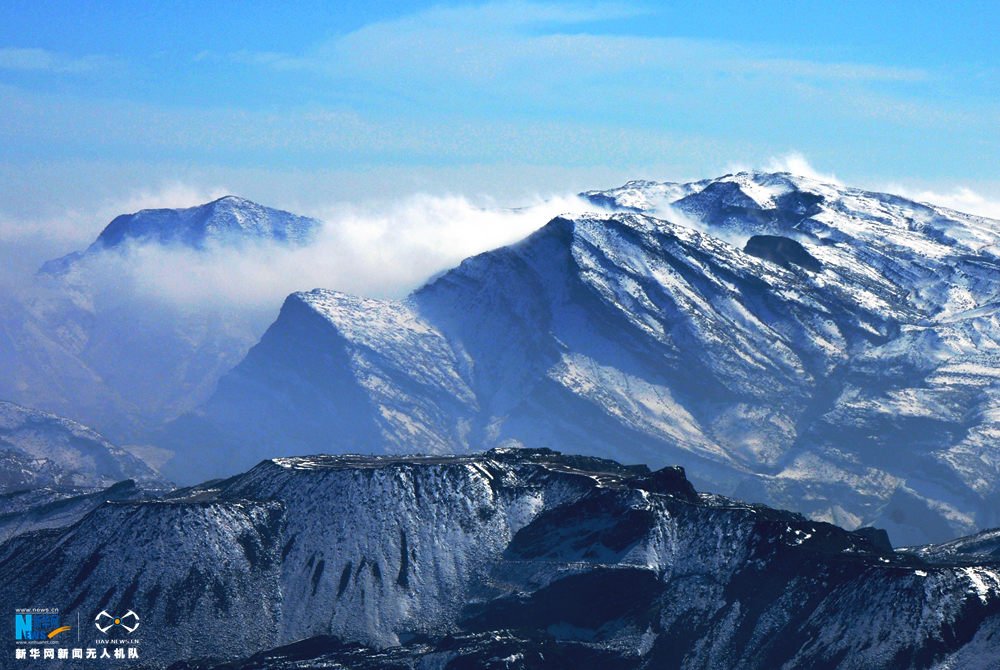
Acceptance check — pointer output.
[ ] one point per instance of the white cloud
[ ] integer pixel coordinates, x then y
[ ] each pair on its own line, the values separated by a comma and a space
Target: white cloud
493, 45
794, 163
377, 249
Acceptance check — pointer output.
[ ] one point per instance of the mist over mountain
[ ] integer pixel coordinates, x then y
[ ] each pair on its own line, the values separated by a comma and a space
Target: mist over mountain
823, 349
499, 335
137, 327
788, 340
82, 339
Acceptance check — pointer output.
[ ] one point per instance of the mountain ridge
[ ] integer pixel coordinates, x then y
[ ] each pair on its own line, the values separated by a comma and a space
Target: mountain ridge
841, 389
77, 341
41, 449
609, 561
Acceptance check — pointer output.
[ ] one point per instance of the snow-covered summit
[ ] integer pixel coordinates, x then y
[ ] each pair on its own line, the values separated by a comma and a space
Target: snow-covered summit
642, 195
228, 221
774, 202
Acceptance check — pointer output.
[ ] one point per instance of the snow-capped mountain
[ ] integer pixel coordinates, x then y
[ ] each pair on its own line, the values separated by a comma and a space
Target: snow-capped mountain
590, 559
822, 348
903, 417
228, 221
79, 343
38, 449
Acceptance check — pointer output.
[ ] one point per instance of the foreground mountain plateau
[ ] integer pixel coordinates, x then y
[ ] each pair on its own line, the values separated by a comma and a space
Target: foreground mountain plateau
513, 558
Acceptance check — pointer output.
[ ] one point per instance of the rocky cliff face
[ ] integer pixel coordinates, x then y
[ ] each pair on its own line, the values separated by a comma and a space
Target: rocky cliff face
590, 559
199, 576
821, 348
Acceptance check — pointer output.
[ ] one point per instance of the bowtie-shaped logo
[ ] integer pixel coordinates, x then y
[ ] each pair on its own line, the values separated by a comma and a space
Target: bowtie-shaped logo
105, 621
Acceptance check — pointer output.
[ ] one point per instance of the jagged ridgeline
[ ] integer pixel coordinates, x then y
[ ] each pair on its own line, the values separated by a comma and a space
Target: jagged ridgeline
554, 560
813, 346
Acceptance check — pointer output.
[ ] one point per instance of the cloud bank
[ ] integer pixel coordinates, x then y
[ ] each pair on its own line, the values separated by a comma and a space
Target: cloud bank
379, 250
797, 164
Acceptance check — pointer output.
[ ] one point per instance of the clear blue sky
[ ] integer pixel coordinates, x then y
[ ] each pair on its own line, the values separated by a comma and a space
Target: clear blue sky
302, 103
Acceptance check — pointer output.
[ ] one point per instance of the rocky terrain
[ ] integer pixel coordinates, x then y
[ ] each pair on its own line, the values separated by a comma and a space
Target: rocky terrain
510, 556
39, 450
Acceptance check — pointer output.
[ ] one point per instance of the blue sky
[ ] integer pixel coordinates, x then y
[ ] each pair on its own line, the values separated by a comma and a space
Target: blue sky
106, 105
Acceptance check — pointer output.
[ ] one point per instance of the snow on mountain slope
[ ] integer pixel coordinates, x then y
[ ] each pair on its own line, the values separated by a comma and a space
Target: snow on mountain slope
978, 548
369, 375
227, 221
642, 195
205, 573
388, 550
844, 364
39, 449
906, 422
80, 342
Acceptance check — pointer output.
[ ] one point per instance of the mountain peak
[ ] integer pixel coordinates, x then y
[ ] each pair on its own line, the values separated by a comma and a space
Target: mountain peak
227, 221
234, 199
226, 200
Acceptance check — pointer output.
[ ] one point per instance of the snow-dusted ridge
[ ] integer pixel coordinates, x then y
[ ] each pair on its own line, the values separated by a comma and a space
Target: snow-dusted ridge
227, 220
629, 565
811, 345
